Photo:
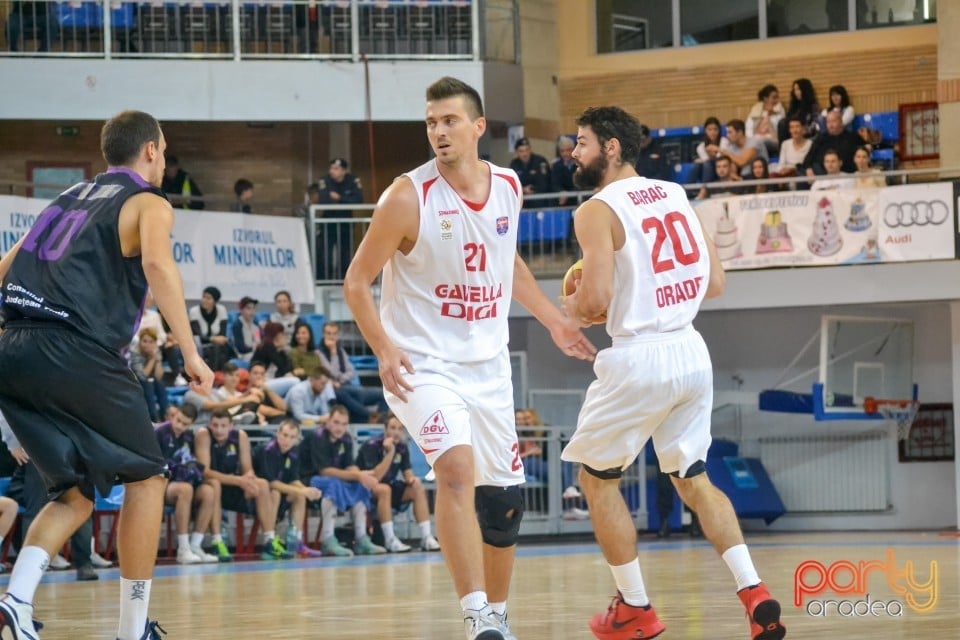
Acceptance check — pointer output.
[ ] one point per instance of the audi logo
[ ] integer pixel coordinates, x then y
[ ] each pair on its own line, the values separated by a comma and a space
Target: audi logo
922, 213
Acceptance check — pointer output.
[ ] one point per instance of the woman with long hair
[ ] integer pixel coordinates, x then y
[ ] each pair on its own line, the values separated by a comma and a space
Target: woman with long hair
803, 105
303, 354
839, 102
707, 151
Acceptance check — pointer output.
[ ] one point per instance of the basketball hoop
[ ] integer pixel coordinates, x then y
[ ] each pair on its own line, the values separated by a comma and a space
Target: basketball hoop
903, 412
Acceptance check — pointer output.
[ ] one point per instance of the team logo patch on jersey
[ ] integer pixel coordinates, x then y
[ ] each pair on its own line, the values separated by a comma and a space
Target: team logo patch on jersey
503, 225
434, 425
446, 230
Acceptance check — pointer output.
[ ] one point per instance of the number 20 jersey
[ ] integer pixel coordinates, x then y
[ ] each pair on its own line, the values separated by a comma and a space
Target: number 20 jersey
662, 271
449, 297
71, 269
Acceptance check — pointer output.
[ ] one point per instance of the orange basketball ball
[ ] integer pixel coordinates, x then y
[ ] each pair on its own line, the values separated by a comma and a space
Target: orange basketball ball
571, 277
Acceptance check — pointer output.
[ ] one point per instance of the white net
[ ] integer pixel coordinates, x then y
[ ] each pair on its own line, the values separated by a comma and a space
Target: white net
903, 413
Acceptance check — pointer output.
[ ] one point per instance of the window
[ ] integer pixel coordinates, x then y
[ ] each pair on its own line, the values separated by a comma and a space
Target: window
703, 21
797, 17
891, 13
631, 25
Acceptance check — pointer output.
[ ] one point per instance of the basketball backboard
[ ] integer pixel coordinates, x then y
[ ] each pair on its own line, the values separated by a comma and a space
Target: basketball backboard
862, 357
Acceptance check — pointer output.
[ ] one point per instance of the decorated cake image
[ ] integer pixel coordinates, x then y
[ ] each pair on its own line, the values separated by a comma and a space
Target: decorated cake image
825, 238
773, 234
726, 239
858, 220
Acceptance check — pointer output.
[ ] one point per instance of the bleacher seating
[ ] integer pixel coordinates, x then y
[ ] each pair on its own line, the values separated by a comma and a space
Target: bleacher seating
544, 226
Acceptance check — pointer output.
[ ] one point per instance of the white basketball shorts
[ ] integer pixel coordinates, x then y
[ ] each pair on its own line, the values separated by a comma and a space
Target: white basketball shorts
464, 404
658, 386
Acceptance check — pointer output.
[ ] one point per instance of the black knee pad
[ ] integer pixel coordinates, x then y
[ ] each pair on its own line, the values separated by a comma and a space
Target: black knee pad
499, 512
695, 469
614, 473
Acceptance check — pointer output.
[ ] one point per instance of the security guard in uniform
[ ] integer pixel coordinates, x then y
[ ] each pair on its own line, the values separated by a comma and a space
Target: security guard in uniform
533, 170
339, 187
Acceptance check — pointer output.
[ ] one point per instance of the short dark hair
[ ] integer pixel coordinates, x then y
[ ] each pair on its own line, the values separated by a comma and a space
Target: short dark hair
221, 413
831, 152
230, 367
258, 363
737, 125
320, 372
765, 92
124, 135
188, 411
447, 87
390, 415
289, 422
339, 408
613, 122
241, 185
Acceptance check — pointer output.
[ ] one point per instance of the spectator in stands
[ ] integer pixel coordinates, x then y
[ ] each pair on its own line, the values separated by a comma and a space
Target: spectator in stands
219, 400
562, 170
245, 332
533, 170
37, 18
759, 170
530, 451
304, 355
309, 401
181, 189
726, 174
651, 163
327, 464
224, 452
803, 105
187, 486
146, 365
209, 323
388, 457
867, 176
764, 118
169, 348
285, 313
243, 189
355, 397
844, 142
272, 407
708, 151
742, 150
793, 151
272, 352
339, 187
835, 178
246, 411
839, 102
278, 462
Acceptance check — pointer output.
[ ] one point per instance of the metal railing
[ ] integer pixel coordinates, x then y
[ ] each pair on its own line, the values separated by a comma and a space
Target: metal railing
231, 29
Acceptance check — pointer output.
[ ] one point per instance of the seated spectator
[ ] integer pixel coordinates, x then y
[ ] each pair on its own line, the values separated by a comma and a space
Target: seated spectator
146, 365
245, 333
272, 352
803, 105
834, 178
651, 163
794, 151
243, 189
708, 151
304, 355
759, 170
169, 349
187, 487
208, 320
353, 396
327, 464
867, 176
840, 102
533, 171
726, 174
245, 403
278, 462
562, 170
224, 452
388, 457
764, 118
309, 401
180, 188
837, 139
742, 150
285, 313
272, 407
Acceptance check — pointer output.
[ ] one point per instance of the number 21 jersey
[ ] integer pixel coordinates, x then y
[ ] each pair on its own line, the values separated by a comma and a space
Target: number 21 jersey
449, 297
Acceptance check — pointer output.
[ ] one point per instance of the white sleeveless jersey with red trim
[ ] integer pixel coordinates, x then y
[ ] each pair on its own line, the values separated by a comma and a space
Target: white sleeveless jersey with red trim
450, 296
662, 270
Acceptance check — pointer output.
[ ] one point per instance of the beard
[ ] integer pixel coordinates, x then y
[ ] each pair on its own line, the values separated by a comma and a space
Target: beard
589, 176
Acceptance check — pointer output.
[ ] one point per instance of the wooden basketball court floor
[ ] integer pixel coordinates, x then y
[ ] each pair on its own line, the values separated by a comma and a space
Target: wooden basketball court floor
556, 588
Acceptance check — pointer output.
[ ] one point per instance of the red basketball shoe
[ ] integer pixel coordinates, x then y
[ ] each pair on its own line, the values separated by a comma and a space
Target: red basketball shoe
764, 613
625, 622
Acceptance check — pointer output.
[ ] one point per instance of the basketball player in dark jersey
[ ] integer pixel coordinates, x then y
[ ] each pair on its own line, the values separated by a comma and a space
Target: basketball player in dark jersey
73, 290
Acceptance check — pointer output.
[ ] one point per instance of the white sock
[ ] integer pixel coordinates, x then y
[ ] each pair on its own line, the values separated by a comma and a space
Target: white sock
294, 533
474, 601
196, 539
215, 538
328, 511
424, 529
630, 583
387, 530
183, 540
27, 572
269, 535
741, 566
359, 514
498, 607
134, 601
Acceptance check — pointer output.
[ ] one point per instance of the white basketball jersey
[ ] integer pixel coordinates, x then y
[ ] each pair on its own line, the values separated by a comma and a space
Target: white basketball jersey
662, 271
450, 296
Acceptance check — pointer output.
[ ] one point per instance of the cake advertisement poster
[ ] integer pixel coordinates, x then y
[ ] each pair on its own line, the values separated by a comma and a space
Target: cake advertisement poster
841, 226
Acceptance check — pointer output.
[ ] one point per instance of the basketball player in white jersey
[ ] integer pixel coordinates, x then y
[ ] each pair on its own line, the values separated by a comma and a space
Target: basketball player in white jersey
648, 265
445, 235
